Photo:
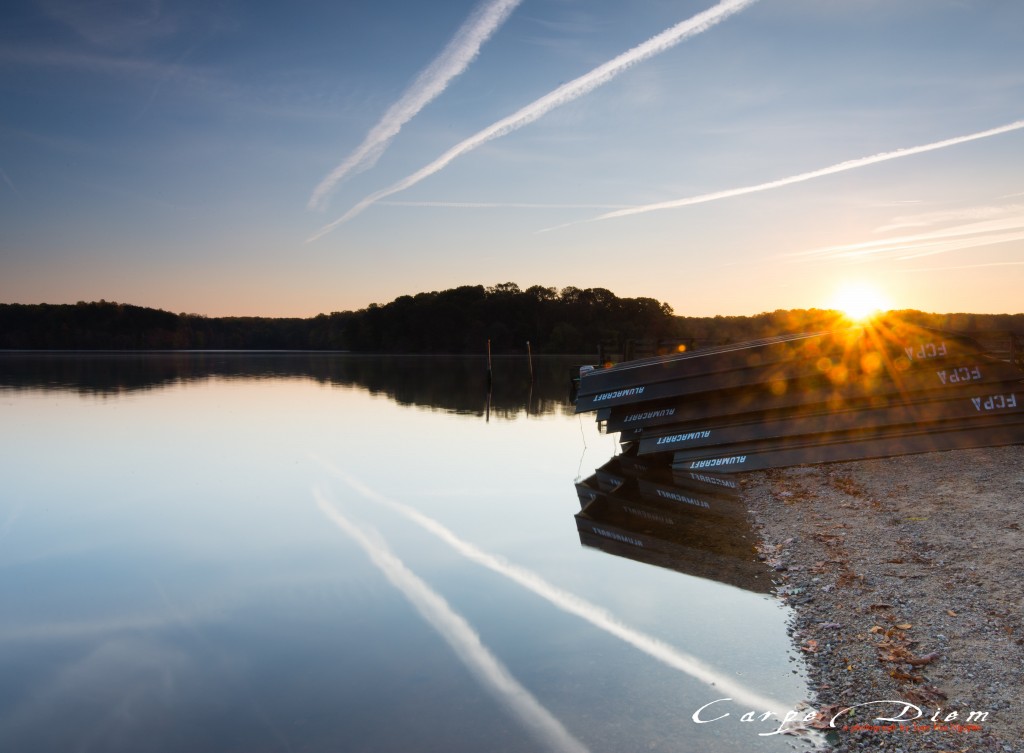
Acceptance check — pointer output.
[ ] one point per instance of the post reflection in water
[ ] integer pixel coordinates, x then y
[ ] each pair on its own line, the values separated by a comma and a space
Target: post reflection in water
457, 384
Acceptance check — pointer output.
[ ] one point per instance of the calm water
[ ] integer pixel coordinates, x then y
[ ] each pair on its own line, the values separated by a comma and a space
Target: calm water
224, 552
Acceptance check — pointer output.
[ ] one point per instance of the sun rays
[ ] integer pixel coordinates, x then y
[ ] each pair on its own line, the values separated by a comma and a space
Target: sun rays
859, 300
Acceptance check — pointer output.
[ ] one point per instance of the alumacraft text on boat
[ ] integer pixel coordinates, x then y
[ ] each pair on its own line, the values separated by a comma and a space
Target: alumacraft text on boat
714, 480
649, 414
714, 462
684, 437
616, 536
618, 393
676, 497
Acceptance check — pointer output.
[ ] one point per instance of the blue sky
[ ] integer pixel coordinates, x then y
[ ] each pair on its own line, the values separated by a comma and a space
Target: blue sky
189, 155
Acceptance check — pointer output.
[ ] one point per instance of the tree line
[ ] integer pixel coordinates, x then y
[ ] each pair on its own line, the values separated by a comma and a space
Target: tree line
458, 320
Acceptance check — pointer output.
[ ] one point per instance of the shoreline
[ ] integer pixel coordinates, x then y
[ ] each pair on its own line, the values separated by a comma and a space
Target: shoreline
905, 575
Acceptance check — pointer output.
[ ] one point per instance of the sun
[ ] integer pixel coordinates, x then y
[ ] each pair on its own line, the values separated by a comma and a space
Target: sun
859, 301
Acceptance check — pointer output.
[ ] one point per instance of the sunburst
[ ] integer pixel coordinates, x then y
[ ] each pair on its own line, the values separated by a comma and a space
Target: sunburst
859, 301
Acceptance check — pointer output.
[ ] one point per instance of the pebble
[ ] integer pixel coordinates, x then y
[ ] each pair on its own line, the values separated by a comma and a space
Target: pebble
881, 575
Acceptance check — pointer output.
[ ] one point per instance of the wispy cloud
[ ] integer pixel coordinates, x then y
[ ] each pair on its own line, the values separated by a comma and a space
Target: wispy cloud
194, 80
460, 636
929, 219
1007, 228
56, 57
964, 266
275, 96
431, 82
564, 94
114, 24
7, 180
573, 604
496, 205
801, 177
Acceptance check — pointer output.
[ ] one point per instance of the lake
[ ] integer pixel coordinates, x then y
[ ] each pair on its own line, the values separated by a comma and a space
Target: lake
328, 552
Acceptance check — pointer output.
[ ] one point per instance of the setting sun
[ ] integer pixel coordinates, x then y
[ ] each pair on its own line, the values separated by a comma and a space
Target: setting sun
859, 300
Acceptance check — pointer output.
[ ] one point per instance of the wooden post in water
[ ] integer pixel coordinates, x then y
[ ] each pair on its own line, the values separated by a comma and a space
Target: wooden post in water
490, 380
489, 372
529, 356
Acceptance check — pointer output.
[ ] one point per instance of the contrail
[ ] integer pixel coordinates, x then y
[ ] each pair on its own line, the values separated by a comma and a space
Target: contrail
928, 219
429, 84
460, 636
964, 266
970, 235
568, 602
831, 170
564, 94
498, 205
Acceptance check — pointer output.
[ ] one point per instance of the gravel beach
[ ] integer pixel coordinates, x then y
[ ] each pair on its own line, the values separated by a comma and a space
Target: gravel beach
906, 576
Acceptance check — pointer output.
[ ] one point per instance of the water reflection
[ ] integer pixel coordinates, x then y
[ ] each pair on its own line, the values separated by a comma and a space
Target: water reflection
457, 384
645, 512
169, 582
564, 600
490, 672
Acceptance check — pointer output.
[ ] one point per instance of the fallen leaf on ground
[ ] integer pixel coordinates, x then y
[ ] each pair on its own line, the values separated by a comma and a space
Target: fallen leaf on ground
917, 661
924, 695
825, 715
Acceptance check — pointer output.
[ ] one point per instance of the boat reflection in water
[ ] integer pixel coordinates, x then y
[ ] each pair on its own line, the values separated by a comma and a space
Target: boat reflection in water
689, 522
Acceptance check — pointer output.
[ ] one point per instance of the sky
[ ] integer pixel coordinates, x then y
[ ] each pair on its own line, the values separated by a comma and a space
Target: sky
233, 158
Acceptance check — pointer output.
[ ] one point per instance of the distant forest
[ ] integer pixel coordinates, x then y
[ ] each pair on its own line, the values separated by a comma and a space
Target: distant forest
459, 320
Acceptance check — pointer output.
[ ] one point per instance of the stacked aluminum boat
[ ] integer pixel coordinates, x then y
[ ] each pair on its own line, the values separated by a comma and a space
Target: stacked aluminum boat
875, 391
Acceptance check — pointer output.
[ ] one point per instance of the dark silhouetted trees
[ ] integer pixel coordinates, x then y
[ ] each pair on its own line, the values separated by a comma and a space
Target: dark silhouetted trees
458, 320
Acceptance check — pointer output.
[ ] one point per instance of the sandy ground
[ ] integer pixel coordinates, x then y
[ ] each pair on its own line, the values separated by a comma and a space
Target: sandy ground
906, 575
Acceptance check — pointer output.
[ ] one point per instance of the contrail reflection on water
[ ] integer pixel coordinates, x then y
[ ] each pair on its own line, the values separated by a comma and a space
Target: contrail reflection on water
569, 602
460, 636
